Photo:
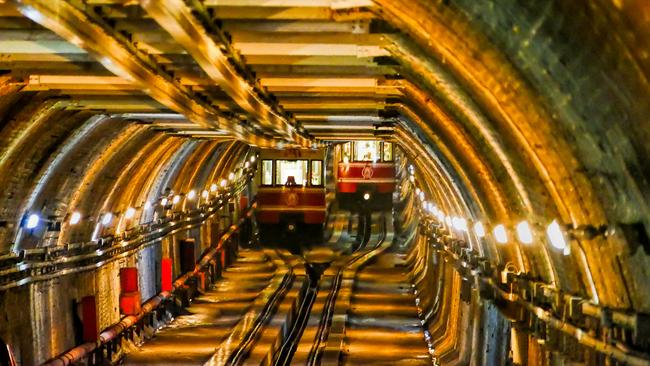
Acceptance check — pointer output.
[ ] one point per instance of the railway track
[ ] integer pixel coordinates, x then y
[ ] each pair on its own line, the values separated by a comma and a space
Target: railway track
253, 348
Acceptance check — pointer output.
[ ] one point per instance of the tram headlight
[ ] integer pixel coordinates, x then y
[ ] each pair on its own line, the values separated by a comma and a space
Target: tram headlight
366, 196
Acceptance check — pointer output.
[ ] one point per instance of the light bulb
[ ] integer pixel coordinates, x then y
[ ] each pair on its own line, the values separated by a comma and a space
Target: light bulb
366, 196
164, 201
253, 159
75, 218
459, 223
205, 194
191, 195
176, 199
107, 218
231, 177
223, 183
247, 165
500, 234
524, 234
213, 187
479, 230
555, 235
130, 212
32, 221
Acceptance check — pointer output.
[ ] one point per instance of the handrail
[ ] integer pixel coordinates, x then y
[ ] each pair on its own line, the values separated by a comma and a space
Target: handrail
541, 302
114, 331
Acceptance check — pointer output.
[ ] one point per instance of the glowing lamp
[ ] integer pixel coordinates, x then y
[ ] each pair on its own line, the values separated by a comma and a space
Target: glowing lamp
524, 234
32, 221
500, 234
479, 230
191, 195
130, 213
555, 235
75, 218
459, 223
107, 218
176, 199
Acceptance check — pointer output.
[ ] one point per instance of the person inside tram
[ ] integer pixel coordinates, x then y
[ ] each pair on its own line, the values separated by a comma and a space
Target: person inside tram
291, 181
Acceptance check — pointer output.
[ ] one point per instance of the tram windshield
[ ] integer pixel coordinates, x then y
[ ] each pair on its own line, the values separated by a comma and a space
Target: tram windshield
291, 172
374, 151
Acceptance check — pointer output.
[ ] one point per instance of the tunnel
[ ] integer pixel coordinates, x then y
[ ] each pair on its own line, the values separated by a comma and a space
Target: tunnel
138, 139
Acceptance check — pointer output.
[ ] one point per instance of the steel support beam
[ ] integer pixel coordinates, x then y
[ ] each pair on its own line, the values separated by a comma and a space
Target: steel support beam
123, 59
177, 19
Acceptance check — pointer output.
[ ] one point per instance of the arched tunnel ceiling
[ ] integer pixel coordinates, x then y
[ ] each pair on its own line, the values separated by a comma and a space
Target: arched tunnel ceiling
510, 110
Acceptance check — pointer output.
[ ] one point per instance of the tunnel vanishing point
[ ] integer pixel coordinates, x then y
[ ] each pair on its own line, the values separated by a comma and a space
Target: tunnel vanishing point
137, 136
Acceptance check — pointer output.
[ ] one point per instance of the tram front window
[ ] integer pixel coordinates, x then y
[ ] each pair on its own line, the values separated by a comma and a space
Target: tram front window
290, 172
367, 151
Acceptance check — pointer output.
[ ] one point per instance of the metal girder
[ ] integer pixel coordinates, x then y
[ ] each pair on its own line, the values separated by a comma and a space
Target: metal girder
177, 19
83, 30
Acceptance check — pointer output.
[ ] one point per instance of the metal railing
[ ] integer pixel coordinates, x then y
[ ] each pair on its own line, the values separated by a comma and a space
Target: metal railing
32, 265
549, 314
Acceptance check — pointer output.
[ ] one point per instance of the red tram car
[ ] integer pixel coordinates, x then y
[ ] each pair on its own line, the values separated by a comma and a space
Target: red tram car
291, 196
365, 175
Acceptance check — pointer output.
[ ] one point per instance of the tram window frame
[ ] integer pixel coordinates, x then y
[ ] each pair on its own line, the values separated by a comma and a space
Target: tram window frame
264, 169
311, 173
350, 148
392, 152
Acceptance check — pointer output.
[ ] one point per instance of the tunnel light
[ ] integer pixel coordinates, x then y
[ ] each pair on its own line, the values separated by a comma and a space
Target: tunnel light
366, 196
75, 218
191, 195
130, 213
253, 159
555, 235
223, 183
500, 234
524, 233
147, 205
459, 223
231, 177
479, 230
441, 216
176, 199
247, 165
205, 194
164, 201
213, 187
107, 218
32, 221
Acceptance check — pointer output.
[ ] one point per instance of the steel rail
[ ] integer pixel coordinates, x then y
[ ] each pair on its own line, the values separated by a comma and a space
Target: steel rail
113, 332
270, 308
322, 333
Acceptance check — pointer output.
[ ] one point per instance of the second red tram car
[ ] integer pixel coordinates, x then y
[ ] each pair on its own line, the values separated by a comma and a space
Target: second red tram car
291, 195
365, 175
